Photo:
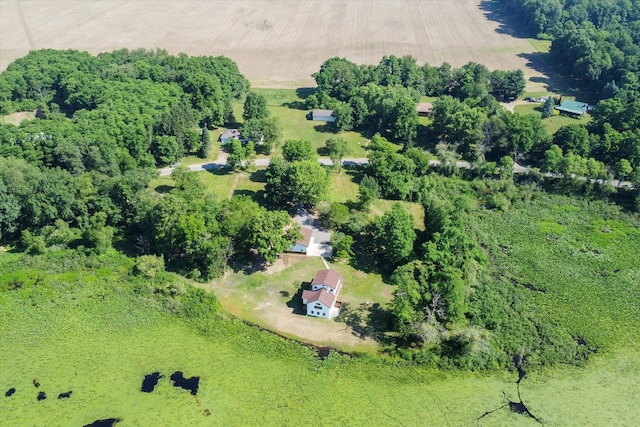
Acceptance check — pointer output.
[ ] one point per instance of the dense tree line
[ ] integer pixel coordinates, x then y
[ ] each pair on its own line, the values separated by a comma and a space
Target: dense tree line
78, 175
593, 41
383, 97
117, 110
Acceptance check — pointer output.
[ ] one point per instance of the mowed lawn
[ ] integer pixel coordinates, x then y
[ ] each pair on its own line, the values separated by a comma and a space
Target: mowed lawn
343, 188
288, 105
552, 123
272, 299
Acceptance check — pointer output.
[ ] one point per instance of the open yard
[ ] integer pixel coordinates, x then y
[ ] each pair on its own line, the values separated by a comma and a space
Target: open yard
272, 299
275, 43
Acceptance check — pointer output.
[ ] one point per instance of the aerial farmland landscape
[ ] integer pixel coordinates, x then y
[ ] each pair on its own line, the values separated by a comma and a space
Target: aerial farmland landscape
356, 212
276, 44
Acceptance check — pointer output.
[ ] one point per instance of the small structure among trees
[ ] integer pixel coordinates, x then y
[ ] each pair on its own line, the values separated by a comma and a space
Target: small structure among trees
572, 108
228, 135
322, 116
425, 109
302, 245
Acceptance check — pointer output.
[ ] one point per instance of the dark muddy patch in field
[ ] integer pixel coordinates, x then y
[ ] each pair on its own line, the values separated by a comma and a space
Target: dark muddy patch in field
190, 384
150, 381
108, 422
517, 407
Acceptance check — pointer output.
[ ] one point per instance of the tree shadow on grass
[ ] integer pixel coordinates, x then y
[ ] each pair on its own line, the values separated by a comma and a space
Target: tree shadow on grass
493, 12
326, 128
304, 92
258, 175
256, 196
296, 105
367, 321
164, 189
218, 171
295, 303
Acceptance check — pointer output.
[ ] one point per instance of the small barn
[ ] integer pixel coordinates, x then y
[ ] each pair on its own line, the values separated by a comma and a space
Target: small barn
572, 108
322, 115
301, 246
425, 109
229, 134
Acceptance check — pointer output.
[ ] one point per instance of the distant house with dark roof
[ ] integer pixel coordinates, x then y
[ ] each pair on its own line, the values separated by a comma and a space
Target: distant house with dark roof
321, 115
425, 109
302, 245
229, 134
321, 299
572, 108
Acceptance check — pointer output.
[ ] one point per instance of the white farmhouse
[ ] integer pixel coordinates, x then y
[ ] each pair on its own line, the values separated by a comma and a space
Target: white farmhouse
321, 299
229, 134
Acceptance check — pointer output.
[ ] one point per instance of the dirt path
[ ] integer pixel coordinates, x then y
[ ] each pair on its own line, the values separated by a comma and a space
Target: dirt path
234, 185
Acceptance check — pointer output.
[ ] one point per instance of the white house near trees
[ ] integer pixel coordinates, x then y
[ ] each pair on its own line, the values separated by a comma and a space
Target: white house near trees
302, 245
321, 299
229, 134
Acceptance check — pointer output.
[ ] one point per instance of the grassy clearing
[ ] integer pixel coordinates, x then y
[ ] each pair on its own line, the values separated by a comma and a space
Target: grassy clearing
380, 206
17, 118
289, 106
343, 188
552, 123
212, 154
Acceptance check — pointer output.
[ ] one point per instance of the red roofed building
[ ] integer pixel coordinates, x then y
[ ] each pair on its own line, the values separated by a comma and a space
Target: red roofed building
329, 280
321, 299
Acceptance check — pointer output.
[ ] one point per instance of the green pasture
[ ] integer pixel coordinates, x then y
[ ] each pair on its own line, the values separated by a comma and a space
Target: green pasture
380, 206
90, 332
288, 105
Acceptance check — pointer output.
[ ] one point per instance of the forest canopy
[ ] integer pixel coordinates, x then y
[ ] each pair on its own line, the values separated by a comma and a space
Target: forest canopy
115, 111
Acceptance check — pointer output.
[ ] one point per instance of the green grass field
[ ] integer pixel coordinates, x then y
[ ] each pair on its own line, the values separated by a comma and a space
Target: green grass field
89, 332
343, 188
380, 206
288, 106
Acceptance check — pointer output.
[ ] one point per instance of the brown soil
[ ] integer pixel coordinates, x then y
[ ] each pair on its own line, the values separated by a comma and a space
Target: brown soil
276, 43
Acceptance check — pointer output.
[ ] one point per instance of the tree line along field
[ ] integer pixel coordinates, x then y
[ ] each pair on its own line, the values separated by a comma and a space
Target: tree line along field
275, 43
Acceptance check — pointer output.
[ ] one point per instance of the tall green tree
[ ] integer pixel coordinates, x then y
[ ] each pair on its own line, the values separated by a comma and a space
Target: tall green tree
394, 236
338, 148
298, 149
272, 233
255, 107
205, 143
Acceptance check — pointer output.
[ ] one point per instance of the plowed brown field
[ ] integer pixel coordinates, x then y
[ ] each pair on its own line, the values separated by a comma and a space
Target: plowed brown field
275, 43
